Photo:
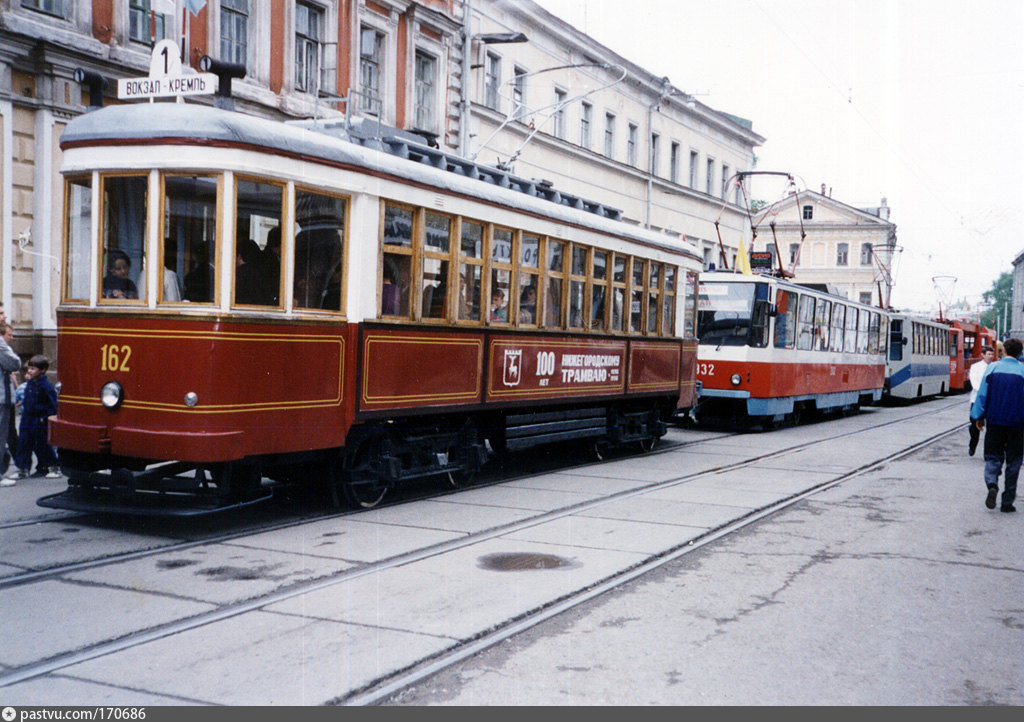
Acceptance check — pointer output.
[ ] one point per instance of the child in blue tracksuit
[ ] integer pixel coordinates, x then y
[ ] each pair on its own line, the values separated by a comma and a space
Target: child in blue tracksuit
999, 406
40, 403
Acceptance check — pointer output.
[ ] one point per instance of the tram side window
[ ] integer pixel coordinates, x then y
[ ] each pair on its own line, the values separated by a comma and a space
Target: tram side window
877, 334
636, 306
821, 318
436, 249
598, 291
471, 259
850, 340
190, 226
396, 271
577, 285
785, 319
78, 220
529, 268
554, 280
319, 251
838, 327
668, 319
619, 293
124, 235
863, 331
653, 289
690, 305
501, 275
805, 324
896, 340
258, 243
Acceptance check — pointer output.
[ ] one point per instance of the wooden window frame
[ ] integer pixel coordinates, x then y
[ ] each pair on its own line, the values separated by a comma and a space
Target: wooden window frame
391, 249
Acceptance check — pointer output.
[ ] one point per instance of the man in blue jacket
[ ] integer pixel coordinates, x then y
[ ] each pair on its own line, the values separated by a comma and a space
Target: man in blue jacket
1000, 405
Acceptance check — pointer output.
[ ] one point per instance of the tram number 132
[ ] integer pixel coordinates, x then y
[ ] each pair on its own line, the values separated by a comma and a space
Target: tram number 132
114, 357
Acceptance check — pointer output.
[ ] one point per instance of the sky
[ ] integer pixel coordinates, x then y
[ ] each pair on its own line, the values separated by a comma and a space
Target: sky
920, 102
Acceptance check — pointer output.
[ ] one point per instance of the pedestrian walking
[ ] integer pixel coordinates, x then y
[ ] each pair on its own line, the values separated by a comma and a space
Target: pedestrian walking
8, 359
988, 355
999, 409
40, 403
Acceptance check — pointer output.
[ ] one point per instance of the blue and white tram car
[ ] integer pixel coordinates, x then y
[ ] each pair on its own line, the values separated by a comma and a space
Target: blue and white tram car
917, 364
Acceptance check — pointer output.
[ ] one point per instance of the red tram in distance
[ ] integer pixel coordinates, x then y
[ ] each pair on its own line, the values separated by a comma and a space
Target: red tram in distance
246, 299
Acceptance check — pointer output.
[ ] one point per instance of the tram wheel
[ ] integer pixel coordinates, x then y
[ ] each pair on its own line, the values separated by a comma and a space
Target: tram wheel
365, 494
647, 443
600, 449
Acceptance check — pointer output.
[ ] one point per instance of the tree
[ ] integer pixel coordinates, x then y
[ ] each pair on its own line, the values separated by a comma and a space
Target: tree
1000, 296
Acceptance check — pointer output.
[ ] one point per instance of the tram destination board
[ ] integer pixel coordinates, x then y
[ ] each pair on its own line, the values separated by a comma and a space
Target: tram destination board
186, 84
761, 260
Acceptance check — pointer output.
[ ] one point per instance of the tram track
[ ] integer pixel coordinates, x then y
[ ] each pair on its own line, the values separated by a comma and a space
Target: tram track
500, 477
384, 687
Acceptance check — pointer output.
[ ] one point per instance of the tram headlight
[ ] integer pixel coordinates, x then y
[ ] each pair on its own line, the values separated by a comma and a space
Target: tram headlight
191, 399
735, 379
111, 395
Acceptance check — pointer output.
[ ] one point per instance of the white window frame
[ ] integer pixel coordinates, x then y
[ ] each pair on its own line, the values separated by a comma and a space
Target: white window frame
632, 132
609, 134
558, 121
492, 80
388, 26
694, 168
586, 122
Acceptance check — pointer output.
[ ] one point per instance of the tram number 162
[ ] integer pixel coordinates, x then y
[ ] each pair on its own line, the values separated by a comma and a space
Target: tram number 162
114, 357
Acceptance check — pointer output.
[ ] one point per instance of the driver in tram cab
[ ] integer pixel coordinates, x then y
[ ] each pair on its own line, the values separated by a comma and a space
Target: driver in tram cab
116, 283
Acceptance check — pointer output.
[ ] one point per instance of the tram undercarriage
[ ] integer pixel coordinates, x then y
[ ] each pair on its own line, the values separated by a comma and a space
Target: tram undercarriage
377, 457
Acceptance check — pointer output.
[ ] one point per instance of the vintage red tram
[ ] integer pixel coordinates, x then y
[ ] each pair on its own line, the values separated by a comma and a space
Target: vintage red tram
315, 310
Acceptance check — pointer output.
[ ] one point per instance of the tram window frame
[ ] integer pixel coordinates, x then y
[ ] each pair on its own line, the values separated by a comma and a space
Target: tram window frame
476, 265
501, 273
103, 258
398, 259
578, 303
668, 299
554, 316
822, 320
529, 275
273, 304
338, 266
655, 278
620, 294
637, 277
837, 328
691, 281
863, 331
183, 270
786, 304
597, 293
443, 257
850, 337
78, 246
805, 322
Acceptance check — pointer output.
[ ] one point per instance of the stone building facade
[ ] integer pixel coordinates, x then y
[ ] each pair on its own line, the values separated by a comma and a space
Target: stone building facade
824, 241
506, 83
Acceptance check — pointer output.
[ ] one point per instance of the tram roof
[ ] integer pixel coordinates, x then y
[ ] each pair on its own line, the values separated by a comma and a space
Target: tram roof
335, 142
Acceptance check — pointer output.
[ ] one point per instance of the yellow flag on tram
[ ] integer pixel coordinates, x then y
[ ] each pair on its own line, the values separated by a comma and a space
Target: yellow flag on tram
743, 260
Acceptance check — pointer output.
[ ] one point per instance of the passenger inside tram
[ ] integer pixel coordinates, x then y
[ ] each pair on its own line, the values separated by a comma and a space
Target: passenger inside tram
117, 284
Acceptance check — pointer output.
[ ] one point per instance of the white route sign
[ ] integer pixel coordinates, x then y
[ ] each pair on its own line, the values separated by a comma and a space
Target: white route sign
166, 77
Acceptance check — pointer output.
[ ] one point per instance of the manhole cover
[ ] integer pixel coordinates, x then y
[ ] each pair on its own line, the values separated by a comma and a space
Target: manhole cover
522, 561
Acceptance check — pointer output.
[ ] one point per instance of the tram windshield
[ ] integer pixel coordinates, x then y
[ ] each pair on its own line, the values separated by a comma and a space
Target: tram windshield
724, 313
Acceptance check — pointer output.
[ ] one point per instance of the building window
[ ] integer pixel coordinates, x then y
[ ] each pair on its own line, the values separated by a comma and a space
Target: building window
609, 135
234, 35
808, 212
655, 150
631, 144
144, 26
309, 33
709, 181
673, 162
559, 113
725, 181
865, 254
518, 93
794, 254
865, 297
57, 8
371, 71
693, 169
492, 78
586, 114
842, 254
426, 91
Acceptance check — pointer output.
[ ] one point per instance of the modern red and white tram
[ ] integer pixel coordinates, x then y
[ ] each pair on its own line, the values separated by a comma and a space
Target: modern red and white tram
246, 300
771, 350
